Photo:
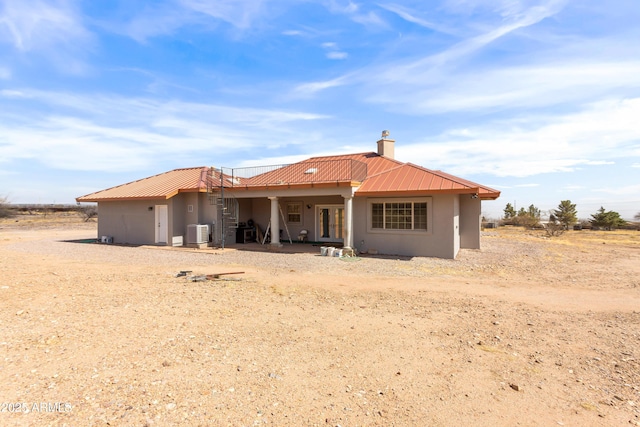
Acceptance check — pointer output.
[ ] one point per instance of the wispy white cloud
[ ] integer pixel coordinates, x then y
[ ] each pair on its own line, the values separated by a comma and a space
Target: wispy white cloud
163, 19
598, 135
621, 190
429, 65
344, 7
54, 29
411, 16
403, 82
370, 20
309, 89
167, 18
599, 162
123, 134
354, 11
337, 55
516, 87
333, 51
239, 13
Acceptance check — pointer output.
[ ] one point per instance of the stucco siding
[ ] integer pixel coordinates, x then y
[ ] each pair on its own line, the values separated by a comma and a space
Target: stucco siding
130, 222
438, 241
470, 221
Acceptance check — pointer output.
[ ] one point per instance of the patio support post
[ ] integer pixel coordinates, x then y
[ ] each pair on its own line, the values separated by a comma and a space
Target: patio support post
348, 223
275, 222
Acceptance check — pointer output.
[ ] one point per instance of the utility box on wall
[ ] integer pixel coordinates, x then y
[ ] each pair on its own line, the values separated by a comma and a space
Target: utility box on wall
197, 234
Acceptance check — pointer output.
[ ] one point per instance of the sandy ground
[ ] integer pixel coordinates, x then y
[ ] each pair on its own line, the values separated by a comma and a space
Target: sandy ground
527, 331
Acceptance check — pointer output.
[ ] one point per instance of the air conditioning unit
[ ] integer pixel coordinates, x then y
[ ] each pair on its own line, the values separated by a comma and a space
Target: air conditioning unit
197, 233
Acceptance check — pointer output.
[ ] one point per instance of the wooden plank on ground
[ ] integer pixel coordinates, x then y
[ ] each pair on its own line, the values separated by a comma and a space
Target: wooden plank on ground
217, 275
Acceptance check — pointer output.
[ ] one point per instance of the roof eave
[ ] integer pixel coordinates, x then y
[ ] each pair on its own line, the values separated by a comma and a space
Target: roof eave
119, 199
490, 196
398, 193
287, 186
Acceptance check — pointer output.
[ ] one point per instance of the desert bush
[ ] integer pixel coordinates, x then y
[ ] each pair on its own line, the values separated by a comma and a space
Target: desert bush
529, 218
554, 227
5, 211
88, 212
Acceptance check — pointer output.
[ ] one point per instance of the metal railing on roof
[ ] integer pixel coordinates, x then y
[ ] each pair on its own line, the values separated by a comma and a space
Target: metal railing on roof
307, 172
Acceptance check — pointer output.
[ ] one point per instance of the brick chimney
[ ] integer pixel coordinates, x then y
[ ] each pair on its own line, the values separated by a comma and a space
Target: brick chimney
386, 146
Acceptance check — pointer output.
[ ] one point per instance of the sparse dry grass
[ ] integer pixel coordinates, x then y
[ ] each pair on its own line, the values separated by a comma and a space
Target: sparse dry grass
572, 237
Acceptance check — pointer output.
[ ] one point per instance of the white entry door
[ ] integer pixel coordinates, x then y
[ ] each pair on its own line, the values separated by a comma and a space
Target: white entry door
162, 224
330, 223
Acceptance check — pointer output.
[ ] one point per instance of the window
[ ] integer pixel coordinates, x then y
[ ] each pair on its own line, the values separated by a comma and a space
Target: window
294, 212
399, 215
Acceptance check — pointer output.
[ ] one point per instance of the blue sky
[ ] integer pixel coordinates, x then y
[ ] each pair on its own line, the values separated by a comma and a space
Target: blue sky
538, 99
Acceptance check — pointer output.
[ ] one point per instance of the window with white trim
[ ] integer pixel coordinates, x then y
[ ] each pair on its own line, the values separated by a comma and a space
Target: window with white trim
294, 212
408, 215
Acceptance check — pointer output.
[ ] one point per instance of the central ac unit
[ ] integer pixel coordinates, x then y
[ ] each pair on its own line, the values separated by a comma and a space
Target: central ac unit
197, 233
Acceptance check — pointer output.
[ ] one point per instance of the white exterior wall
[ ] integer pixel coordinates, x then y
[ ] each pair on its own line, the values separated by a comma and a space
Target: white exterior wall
442, 240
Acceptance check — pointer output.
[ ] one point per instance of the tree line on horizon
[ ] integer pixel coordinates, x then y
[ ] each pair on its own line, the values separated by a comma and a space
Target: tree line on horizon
563, 217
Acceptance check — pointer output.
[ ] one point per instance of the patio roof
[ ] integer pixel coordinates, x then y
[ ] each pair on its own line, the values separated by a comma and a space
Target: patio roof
373, 174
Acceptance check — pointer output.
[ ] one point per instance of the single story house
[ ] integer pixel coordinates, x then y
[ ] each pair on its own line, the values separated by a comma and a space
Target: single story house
366, 201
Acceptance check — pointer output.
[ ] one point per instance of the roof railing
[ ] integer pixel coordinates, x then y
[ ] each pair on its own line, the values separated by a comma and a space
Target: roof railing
311, 171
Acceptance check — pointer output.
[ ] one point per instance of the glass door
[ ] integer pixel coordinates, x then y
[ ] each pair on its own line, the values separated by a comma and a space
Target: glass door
330, 223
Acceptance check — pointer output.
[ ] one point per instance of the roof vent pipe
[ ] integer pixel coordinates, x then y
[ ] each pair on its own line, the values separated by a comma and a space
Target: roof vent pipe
386, 146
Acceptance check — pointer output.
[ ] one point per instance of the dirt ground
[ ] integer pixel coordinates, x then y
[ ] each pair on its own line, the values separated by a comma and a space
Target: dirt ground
527, 331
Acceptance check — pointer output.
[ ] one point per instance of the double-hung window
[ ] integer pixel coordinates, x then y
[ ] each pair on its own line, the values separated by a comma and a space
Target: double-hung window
409, 215
294, 212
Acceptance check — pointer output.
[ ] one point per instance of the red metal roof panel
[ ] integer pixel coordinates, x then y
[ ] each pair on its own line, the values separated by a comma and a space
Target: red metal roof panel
164, 185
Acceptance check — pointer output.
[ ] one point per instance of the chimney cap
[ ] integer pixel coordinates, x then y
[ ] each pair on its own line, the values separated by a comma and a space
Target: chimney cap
385, 133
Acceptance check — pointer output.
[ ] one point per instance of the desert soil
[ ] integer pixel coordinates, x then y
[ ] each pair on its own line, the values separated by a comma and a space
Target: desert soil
527, 331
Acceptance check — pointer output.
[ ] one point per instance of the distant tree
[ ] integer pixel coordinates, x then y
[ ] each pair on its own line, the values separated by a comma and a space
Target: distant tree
637, 216
566, 213
87, 212
608, 220
509, 211
5, 211
528, 218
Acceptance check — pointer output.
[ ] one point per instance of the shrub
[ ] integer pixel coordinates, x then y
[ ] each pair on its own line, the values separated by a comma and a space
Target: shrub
88, 212
5, 210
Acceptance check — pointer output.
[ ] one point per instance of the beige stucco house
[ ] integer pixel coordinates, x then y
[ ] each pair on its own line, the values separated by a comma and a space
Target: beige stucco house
365, 201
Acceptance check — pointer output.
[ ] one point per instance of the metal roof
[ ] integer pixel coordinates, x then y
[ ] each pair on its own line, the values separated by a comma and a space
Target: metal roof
381, 176
410, 178
371, 173
316, 170
161, 186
